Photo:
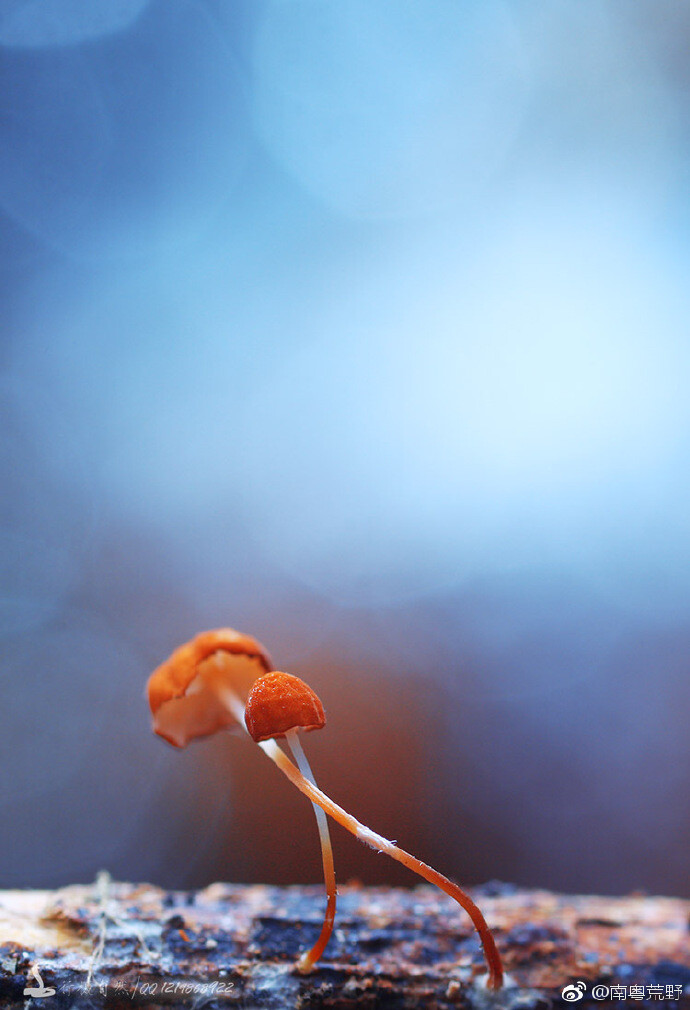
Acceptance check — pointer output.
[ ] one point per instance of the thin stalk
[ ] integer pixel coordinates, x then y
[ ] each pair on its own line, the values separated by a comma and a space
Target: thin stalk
308, 960
234, 704
351, 824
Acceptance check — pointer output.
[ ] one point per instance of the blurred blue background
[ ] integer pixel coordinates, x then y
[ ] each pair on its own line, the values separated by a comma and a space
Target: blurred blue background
362, 327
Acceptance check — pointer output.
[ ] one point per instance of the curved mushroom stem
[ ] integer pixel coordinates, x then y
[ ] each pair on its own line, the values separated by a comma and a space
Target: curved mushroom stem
233, 703
312, 792
308, 960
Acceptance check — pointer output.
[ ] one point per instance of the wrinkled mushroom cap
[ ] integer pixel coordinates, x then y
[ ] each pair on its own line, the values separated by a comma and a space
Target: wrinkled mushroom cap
279, 702
185, 692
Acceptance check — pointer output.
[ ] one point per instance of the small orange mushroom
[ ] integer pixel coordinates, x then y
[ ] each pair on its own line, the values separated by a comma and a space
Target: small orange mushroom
202, 687
281, 706
278, 705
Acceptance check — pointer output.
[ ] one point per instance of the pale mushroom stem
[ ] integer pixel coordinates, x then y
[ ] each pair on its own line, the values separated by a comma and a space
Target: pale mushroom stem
233, 703
312, 792
308, 960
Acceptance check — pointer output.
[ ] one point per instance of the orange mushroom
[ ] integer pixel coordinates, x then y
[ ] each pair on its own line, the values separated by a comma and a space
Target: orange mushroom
283, 705
202, 686
200, 689
280, 704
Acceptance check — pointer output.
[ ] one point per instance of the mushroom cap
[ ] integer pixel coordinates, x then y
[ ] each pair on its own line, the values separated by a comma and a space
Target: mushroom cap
279, 702
185, 692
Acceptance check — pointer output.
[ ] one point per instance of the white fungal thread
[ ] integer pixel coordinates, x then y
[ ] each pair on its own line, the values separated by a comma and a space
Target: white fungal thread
375, 841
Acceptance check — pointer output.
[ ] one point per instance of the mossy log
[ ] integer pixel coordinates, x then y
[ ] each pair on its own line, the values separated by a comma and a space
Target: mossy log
117, 945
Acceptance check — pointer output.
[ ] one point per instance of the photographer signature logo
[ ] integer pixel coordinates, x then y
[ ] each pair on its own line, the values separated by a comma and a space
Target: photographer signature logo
572, 993
40, 990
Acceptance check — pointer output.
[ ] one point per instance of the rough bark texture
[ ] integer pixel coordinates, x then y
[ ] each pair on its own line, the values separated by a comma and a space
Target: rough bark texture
118, 945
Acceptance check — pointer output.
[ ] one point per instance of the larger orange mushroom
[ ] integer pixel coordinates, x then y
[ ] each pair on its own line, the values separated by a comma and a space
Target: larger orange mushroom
201, 689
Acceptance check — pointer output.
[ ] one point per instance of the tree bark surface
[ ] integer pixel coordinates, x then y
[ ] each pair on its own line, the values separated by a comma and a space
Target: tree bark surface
117, 945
